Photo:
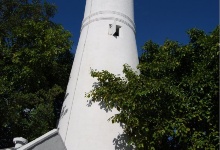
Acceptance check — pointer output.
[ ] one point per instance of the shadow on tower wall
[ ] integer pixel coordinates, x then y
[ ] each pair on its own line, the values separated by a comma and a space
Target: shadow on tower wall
121, 141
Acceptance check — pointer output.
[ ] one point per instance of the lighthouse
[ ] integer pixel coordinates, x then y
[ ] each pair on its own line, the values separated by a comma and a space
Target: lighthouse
107, 42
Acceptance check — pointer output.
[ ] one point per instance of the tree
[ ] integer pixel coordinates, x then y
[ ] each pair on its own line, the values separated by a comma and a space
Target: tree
173, 102
35, 61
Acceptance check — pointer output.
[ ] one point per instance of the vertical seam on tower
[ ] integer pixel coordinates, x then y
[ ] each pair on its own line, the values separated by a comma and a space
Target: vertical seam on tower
78, 73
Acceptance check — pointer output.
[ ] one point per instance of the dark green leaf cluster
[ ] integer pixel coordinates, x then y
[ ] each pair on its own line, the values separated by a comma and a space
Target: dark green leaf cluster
173, 102
35, 61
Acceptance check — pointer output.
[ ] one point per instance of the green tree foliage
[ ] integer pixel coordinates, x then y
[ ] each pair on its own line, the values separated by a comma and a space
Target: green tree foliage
173, 102
35, 61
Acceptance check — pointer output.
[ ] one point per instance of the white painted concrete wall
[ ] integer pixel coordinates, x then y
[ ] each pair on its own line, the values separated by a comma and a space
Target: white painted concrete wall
82, 127
49, 141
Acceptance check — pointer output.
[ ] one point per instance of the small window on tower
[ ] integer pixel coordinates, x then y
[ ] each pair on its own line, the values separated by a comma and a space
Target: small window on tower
114, 29
117, 32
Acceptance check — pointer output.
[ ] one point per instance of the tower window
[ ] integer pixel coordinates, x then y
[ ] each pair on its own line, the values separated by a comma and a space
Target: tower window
114, 29
117, 32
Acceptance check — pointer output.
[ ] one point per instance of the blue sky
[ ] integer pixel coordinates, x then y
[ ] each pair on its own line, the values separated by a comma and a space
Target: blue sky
155, 20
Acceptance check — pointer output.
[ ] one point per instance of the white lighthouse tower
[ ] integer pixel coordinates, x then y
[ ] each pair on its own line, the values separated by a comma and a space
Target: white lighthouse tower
107, 41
